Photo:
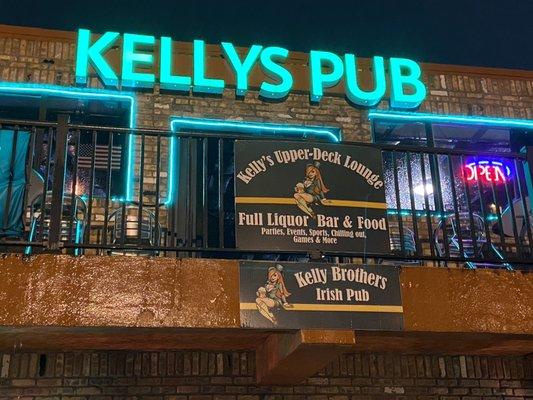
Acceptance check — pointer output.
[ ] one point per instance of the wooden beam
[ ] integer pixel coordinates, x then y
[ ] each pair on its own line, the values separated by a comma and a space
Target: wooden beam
289, 358
49, 338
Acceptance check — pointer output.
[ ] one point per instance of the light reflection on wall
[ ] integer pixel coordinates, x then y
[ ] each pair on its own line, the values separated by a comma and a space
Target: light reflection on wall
424, 193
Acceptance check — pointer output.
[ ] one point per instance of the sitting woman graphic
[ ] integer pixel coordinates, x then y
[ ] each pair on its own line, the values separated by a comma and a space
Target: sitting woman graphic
311, 191
273, 295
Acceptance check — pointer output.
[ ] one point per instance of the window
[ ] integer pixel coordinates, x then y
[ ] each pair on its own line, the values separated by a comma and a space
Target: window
91, 112
471, 137
476, 161
408, 134
456, 177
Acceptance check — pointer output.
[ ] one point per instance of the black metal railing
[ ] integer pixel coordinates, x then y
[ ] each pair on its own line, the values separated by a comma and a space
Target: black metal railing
104, 190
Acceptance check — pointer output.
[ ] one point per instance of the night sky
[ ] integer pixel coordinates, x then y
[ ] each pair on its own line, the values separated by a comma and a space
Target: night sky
492, 33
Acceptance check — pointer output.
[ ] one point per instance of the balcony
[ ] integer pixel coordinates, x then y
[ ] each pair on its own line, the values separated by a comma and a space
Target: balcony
125, 239
85, 190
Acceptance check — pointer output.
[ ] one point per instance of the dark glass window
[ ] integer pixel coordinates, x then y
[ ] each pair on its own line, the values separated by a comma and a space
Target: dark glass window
408, 134
84, 112
471, 137
467, 161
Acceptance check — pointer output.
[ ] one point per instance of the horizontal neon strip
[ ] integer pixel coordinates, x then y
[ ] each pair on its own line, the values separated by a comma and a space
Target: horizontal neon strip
254, 127
333, 307
219, 125
460, 119
334, 203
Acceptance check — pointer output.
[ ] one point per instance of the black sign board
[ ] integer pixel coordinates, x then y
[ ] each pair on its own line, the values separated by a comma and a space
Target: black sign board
305, 197
319, 295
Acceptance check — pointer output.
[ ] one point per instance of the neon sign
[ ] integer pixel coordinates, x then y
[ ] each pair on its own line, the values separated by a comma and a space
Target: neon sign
326, 70
486, 171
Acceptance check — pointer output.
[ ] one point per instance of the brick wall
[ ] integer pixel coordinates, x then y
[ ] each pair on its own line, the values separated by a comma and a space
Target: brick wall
230, 376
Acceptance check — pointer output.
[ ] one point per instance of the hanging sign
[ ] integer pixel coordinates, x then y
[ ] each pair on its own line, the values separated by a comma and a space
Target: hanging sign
289, 295
298, 197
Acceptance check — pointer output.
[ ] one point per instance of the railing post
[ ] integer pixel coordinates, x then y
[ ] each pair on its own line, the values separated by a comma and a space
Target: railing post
56, 206
528, 173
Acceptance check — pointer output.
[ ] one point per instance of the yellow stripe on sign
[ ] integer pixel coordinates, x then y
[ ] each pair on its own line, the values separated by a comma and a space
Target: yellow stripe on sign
333, 307
334, 203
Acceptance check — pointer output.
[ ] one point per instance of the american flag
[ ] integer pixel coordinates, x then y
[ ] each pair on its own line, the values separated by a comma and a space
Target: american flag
85, 156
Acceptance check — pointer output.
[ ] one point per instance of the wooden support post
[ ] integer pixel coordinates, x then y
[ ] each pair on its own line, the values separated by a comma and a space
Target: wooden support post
289, 358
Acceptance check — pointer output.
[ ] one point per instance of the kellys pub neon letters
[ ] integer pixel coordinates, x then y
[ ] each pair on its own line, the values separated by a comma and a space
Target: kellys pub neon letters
326, 69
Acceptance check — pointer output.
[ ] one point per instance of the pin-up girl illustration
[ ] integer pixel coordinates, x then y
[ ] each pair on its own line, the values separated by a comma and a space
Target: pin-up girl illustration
311, 191
273, 294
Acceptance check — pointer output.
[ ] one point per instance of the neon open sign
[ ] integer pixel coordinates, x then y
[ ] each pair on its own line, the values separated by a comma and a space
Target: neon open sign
487, 171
